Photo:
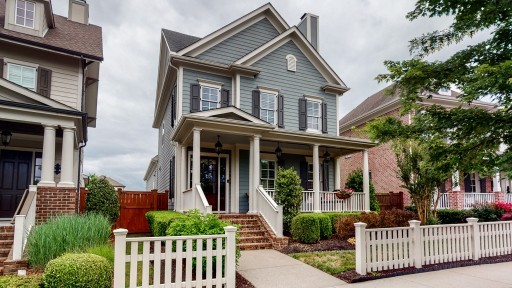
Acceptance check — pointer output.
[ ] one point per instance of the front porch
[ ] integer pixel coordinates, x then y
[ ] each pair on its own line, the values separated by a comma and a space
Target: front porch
228, 163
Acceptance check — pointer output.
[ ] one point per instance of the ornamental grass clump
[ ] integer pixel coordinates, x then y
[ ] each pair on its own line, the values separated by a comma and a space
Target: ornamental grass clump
64, 234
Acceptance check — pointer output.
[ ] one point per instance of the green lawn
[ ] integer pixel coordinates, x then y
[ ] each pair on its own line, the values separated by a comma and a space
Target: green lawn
332, 262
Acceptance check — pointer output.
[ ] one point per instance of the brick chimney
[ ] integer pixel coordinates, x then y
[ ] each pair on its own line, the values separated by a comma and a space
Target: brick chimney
309, 26
78, 11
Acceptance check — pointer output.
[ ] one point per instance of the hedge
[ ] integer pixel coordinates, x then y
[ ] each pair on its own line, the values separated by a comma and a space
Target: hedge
335, 215
159, 221
451, 216
29, 281
305, 228
78, 270
324, 224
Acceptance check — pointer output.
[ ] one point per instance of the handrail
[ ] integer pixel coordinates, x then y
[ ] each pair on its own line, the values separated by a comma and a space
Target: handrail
207, 207
267, 198
271, 212
24, 220
20, 206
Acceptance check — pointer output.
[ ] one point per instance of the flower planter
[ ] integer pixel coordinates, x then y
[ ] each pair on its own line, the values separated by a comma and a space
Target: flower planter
342, 196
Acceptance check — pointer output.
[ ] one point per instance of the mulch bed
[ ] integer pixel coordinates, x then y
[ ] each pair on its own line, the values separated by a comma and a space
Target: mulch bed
353, 277
332, 244
241, 282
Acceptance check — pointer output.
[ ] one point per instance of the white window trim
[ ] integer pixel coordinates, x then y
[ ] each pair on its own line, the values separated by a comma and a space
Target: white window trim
274, 92
11, 63
275, 170
24, 17
205, 85
289, 65
318, 99
210, 83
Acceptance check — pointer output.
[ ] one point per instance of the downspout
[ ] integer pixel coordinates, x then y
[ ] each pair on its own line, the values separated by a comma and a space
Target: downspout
84, 65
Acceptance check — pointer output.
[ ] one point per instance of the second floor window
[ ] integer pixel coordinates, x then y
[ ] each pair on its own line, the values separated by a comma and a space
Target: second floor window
268, 107
314, 115
210, 98
22, 75
25, 11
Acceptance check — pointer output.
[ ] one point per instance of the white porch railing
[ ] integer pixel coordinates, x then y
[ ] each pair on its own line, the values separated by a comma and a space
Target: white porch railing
508, 198
24, 220
174, 257
471, 199
329, 202
444, 201
393, 248
201, 201
269, 210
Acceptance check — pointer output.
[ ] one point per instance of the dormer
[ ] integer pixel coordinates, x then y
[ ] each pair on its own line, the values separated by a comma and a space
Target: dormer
32, 17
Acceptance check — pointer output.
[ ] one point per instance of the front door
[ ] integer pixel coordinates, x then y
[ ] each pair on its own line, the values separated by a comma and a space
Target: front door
213, 181
15, 174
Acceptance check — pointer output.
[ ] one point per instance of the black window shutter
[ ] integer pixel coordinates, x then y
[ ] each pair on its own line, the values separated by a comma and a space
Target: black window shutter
225, 98
324, 118
195, 97
325, 168
173, 111
483, 185
443, 188
304, 174
303, 124
172, 177
256, 103
280, 111
1, 67
44, 81
467, 183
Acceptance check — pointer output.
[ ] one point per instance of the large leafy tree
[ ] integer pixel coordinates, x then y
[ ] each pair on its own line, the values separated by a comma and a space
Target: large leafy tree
482, 71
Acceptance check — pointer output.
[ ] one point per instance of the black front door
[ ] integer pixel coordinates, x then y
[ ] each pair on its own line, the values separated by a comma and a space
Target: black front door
15, 167
213, 181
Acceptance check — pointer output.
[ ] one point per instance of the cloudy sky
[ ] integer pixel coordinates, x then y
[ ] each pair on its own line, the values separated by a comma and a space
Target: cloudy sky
356, 36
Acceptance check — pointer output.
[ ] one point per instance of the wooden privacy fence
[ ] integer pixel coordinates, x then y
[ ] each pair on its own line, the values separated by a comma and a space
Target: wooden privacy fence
388, 201
393, 248
133, 208
175, 261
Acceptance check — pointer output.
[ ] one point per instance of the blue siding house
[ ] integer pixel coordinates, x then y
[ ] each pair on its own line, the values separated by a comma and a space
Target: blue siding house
234, 106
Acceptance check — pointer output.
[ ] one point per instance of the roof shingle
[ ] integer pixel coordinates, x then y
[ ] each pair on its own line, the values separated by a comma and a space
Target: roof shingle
177, 41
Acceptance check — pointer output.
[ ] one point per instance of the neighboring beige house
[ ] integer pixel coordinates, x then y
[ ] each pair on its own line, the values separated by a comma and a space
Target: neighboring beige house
49, 76
151, 174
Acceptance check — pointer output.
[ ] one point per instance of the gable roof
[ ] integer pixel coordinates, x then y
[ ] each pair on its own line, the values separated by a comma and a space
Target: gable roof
151, 167
304, 45
178, 41
234, 27
230, 112
68, 37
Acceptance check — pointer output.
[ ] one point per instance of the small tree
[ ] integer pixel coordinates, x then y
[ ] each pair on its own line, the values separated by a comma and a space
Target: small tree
355, 182
102, 198
288, 194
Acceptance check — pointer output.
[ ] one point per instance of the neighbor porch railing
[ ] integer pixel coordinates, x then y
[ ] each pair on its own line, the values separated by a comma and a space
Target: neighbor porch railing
175, 257
508, 198
269, 210
24, 219
472, 198
444, 201
329, 202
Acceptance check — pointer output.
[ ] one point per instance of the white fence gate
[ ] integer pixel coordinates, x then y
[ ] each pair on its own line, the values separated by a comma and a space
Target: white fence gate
170, 261
393, 248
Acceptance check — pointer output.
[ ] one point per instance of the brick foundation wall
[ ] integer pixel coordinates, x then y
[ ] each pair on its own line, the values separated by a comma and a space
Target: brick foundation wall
53, 201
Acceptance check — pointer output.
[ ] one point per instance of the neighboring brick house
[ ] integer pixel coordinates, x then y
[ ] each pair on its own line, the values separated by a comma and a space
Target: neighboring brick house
382, 160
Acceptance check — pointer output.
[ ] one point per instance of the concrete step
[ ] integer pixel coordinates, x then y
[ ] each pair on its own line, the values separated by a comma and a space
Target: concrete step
255, 246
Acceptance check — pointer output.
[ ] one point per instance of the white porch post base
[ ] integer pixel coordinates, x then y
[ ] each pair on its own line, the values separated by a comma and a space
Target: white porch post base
48, 161
196, 162
68, 139
366, 181
316, 180
256, 172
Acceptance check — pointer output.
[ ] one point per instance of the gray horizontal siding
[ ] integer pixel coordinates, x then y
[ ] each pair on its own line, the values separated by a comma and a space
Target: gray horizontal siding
241, 43
191, 76
166, 150
243, 188
293, 85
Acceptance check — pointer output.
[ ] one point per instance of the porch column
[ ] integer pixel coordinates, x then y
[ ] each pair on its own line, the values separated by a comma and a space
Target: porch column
455, 181
366, 180
196, 162
177, 190
497, 182
316, 180
256, 171
337, 173
477, 183
184, 173
68, 144
251, 176
48, 161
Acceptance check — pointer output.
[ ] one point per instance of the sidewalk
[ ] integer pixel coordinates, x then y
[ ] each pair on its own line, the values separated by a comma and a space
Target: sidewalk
272, 269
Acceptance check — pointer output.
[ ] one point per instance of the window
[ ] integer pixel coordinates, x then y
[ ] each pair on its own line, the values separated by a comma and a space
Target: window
268, 107
314, 115
210, 98
292, 62
22, 75
310, 177
37, 167
25, 12
268, 174
473, 182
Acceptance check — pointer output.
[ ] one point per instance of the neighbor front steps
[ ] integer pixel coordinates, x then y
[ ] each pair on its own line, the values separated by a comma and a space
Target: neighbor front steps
6, 240
253, 232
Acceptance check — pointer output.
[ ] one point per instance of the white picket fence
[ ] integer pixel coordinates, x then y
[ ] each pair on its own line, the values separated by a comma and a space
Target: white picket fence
174, 257
394, 248
471, 199
330, 203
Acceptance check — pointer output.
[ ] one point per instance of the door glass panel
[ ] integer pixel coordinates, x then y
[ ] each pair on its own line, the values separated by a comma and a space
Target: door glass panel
222, 186
37, 168
209, 180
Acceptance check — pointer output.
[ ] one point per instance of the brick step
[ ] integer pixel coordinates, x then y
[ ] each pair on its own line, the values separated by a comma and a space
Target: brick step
6, 236
244, 222
1, 270
2, 259
251, 228
249, 233
230, 216
4, 252
254, 246
6, 243
254, 239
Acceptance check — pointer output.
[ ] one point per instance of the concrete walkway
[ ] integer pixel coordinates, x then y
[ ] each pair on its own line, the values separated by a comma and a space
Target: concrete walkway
272, 269
269, 269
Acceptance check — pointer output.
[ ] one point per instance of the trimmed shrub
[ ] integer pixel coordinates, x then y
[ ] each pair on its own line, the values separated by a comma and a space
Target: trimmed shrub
159, 221
335, 215
288, 194
29, 281
102, 198
452, 216
106, 251
64, 234
487, 212
355, 182
305, 229
384, 219
78, 270
324, 224
411, 208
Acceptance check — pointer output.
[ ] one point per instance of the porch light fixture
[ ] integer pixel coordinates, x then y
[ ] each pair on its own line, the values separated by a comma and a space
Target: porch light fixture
6, 137
57, 169
327, 156
218, 146
278, 151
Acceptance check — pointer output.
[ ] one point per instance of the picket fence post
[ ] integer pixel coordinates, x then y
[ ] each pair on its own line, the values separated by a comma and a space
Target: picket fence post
119, 257
416, 243
230, 256
360, 247
475, 235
